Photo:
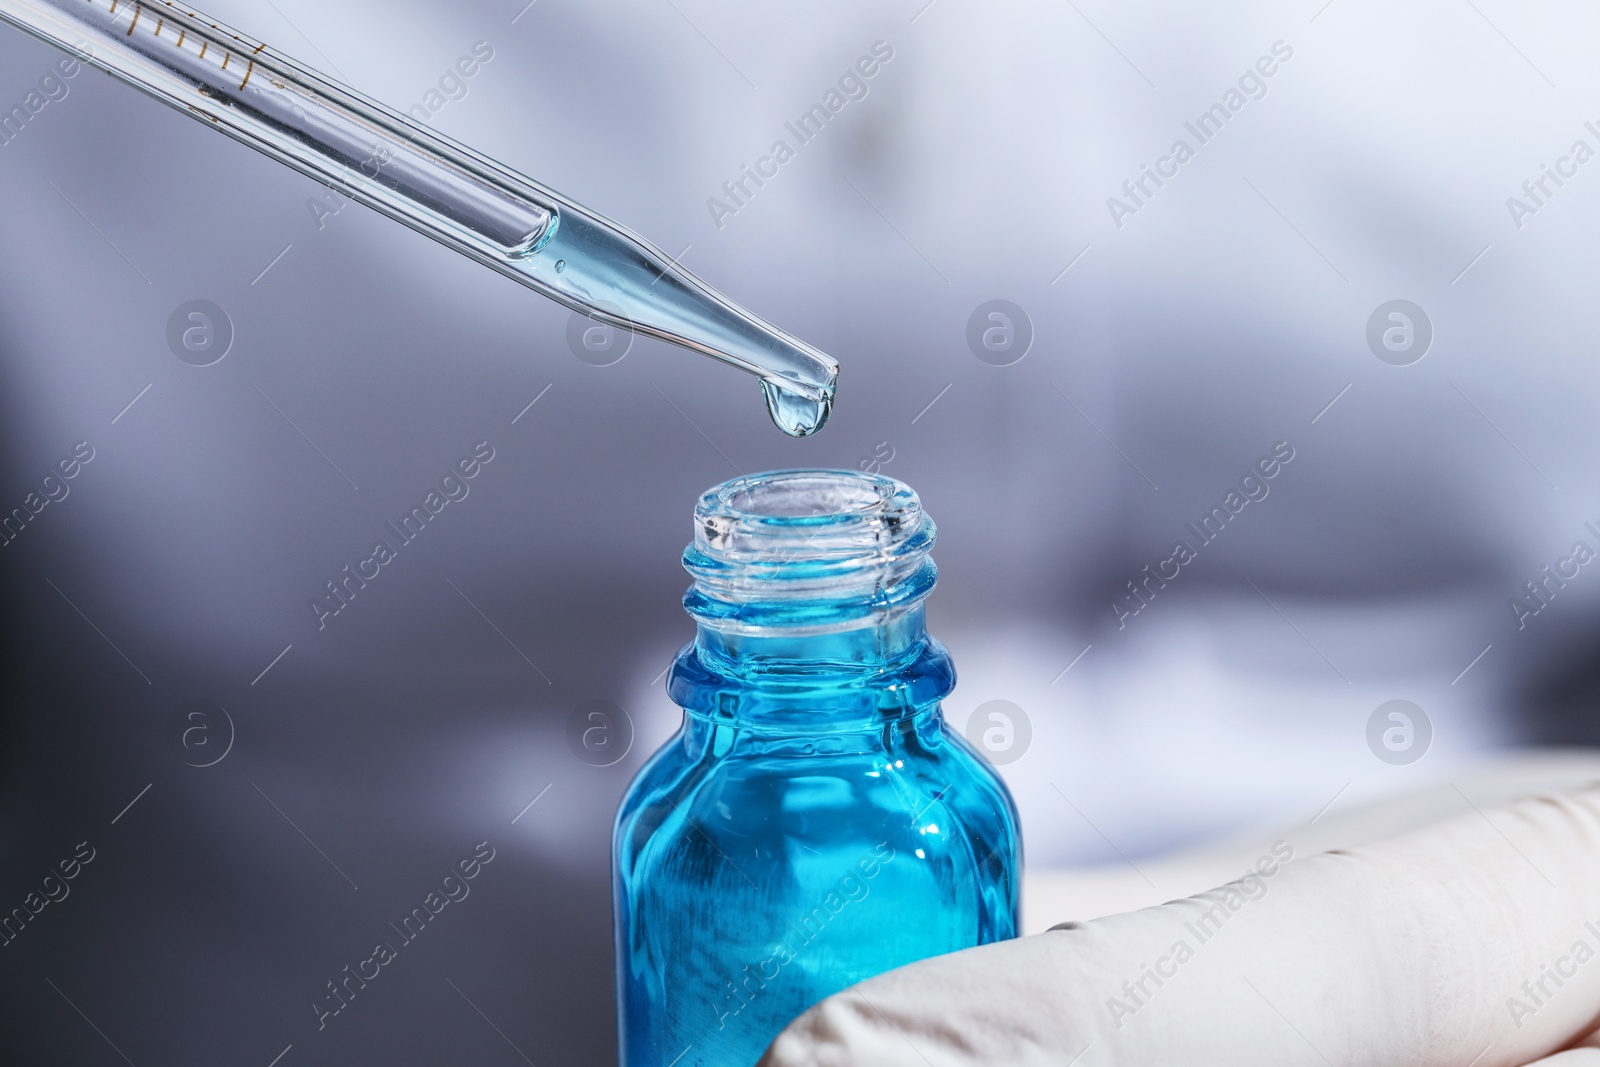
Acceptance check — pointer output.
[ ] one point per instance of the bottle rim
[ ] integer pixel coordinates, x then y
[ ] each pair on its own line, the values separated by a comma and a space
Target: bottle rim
837, 537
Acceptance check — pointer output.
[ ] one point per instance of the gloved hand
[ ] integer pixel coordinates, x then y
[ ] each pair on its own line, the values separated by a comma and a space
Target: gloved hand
1470, 943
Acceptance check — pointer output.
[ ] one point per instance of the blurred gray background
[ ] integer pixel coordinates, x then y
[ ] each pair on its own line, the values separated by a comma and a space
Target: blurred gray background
1172, 346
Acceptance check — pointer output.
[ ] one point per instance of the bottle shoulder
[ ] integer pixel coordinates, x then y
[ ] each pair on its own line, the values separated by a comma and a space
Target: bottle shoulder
721, 783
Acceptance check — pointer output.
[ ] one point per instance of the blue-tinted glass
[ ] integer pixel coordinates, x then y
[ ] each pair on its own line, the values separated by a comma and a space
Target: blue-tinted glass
814, 822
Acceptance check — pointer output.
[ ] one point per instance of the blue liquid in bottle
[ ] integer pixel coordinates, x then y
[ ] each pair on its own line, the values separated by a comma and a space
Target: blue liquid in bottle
814, 822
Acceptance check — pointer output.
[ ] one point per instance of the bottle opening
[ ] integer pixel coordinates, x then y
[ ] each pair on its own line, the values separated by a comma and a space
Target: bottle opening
805, 494
798, 516
847, 543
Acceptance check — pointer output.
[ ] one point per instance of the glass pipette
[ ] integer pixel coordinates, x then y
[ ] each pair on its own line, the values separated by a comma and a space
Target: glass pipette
435, 185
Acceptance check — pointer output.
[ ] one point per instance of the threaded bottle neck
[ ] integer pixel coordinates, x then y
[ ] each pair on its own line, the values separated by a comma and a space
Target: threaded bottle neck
794, 554
809, 589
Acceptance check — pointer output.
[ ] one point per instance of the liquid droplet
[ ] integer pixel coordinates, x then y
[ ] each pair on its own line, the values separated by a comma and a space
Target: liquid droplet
794, 413
561, 265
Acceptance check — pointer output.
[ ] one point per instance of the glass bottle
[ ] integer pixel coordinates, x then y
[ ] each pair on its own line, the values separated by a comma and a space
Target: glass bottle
814, 822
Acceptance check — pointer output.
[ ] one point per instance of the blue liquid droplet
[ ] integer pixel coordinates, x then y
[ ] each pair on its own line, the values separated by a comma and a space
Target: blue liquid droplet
793, 413
561, 265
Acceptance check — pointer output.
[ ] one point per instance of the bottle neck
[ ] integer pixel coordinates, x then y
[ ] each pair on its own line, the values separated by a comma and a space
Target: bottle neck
851, 680
808, 603
872, 645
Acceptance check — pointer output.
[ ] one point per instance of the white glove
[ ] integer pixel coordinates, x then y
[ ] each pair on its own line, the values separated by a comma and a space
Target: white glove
1469, 943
